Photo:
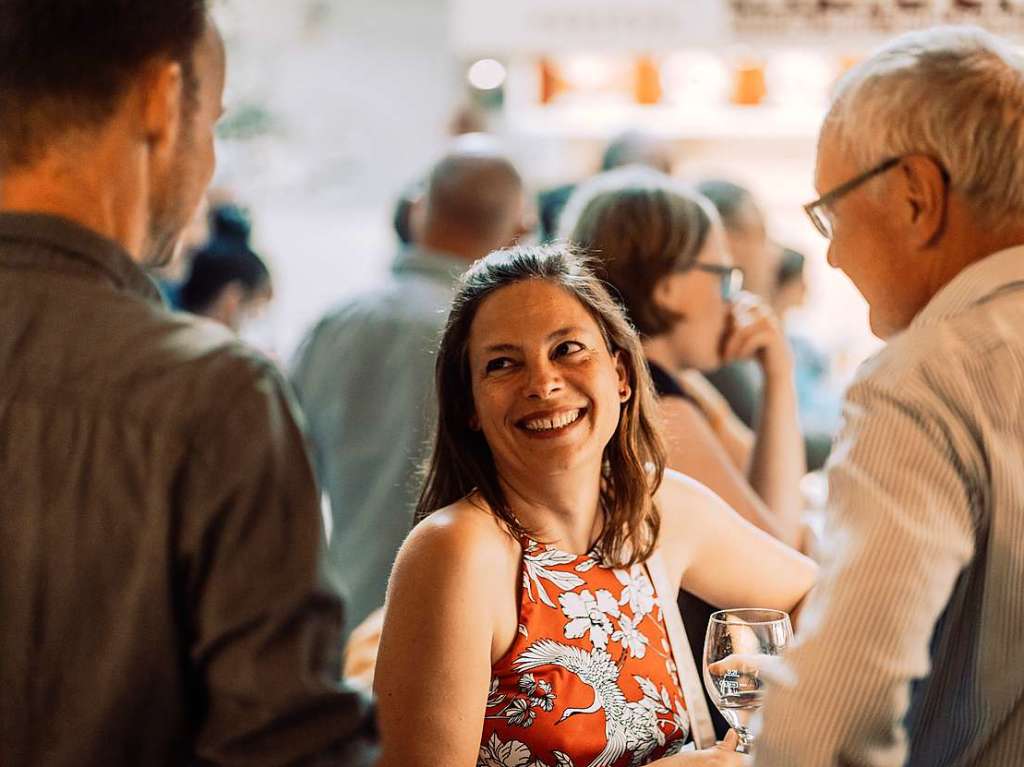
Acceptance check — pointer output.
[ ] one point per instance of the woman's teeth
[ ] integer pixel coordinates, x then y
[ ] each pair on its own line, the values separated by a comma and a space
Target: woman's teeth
557, 422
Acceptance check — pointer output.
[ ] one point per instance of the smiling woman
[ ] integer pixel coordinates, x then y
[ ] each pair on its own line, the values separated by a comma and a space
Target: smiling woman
533, 335
522, 624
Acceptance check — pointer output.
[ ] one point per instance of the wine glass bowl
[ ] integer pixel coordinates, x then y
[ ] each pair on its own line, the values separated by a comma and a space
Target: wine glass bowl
739, 645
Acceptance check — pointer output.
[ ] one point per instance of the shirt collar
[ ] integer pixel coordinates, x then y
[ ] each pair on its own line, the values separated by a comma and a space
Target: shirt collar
974, 284
74, 243
432, 263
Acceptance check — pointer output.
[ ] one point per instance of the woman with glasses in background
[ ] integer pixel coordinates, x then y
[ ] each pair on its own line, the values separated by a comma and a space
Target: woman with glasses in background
660, 247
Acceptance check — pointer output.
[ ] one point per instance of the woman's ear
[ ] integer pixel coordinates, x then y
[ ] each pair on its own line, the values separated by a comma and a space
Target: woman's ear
662, 292
666, 295
474, 422
625, 390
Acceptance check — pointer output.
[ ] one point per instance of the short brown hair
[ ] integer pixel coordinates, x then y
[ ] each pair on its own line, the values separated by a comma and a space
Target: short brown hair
65, 63
639, 225
461, 461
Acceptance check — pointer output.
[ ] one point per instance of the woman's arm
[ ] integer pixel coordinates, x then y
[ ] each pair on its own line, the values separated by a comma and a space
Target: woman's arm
695, 450
721, 557
434, 664
778, 461
736, 438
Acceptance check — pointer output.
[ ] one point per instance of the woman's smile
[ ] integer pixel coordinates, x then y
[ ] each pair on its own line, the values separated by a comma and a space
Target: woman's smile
551, 423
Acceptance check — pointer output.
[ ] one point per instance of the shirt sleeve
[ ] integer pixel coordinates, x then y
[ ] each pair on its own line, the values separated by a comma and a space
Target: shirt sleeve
265, 627
901, 531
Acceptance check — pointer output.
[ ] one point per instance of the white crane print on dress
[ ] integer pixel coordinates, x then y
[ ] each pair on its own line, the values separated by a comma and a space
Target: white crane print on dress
631, 727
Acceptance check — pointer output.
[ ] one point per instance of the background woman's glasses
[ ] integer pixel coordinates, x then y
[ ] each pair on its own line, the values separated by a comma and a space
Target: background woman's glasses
731, 278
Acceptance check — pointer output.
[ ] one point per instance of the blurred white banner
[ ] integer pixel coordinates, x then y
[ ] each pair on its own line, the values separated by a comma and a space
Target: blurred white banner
495, 27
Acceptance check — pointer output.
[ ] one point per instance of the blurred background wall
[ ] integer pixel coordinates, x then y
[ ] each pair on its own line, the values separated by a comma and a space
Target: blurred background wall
336, 105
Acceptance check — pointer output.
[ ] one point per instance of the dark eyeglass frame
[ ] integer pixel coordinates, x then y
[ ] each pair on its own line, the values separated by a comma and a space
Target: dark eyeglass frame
814, 210
730, 278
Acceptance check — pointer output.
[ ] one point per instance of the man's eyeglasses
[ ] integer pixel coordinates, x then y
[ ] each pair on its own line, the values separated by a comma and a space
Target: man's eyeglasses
730, 277
819, 212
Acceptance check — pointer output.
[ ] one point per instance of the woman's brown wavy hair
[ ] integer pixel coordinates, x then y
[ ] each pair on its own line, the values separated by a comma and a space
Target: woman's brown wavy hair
461, 461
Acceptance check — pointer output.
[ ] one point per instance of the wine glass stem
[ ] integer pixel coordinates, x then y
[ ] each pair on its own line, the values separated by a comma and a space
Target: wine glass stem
746, 743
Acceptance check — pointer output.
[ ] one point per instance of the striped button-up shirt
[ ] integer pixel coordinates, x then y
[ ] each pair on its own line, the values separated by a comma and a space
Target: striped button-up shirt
911, 648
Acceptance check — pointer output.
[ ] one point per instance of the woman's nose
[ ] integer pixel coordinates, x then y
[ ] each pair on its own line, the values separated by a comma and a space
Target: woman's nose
542, 381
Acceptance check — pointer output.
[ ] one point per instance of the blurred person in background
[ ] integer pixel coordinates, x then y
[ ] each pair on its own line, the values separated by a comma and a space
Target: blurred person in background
364, 373
820, 401
746, 233
160, 530
632, 147
790, 291
168, 277
759, 258
227, 281
465, 119
661, 248
910, 651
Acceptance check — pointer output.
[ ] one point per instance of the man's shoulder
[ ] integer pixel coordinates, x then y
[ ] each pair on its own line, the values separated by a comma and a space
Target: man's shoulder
202, 347
957, 349
390, 315
405, 303
186, 368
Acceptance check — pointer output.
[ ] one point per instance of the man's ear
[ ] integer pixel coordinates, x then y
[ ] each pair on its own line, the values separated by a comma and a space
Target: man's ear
924, 190
160, 94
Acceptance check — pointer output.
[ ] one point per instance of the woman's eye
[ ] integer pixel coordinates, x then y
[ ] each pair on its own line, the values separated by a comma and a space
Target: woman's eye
568, 347
498, 364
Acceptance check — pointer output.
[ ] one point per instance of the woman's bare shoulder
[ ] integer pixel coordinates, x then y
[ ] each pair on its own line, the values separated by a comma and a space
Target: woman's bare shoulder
686, 507
464, 535
680, 492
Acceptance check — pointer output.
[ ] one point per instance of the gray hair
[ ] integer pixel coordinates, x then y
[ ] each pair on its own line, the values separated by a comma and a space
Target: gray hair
953, 93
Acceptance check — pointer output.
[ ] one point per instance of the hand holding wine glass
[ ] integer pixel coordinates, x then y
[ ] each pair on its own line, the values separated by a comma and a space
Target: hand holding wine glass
723, 754
739, 646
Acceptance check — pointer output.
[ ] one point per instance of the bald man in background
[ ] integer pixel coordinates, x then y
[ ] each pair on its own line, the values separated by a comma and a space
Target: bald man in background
365, 374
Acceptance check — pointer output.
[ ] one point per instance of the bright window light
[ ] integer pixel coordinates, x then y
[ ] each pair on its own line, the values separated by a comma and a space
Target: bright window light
487, 74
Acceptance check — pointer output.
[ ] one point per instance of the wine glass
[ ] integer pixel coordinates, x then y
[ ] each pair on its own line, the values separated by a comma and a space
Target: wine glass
738, 646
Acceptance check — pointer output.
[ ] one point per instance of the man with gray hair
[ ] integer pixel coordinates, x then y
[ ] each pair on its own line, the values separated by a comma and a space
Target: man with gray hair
911, 649
365, 375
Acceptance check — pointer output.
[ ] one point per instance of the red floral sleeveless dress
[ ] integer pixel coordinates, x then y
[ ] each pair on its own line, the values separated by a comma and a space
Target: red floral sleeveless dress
590, 680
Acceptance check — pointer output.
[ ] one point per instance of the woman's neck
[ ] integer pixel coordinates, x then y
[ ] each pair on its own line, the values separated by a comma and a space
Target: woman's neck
563, 509
659, 351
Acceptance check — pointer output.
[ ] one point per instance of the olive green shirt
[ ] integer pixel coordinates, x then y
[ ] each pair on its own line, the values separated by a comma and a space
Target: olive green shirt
161, 600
